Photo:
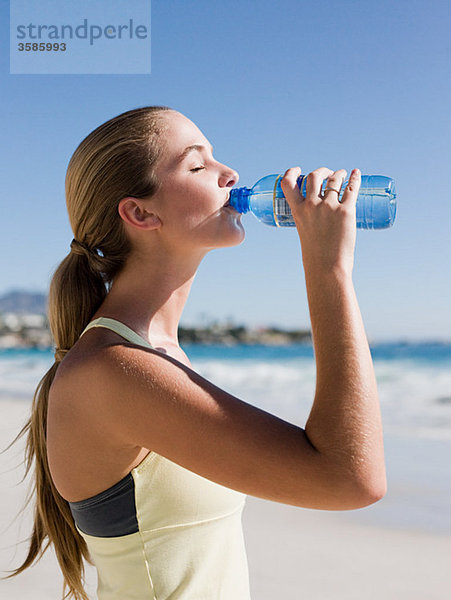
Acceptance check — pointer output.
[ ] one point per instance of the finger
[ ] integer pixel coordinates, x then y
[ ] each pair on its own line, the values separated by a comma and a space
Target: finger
314, 184
332, 188
352, 189
289, 185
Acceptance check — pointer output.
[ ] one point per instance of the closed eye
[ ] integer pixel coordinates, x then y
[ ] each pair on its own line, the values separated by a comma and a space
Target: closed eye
197, 169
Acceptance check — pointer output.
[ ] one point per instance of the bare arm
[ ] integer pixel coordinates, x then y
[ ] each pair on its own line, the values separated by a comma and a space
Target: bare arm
149, 400
345, 417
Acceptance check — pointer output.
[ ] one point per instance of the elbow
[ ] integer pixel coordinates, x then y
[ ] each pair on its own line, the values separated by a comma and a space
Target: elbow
362, 483
356, 488
366, 492
378, 489
371, 495
340, 494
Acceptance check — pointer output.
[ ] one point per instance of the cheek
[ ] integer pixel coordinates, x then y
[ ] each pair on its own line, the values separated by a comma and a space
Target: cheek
190, 209
193, 206
186, 216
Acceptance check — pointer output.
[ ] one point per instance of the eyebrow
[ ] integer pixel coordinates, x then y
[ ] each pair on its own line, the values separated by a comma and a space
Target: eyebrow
192, 148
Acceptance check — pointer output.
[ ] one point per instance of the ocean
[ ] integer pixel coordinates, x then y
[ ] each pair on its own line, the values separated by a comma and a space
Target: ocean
414, 382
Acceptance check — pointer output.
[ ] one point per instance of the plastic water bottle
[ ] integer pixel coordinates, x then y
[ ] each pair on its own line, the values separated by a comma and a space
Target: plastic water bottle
376, 202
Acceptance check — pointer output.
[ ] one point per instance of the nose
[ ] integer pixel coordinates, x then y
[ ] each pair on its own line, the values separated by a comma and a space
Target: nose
228, 177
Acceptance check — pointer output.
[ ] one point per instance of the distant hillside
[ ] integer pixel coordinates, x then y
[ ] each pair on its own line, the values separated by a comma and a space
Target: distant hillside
21, 302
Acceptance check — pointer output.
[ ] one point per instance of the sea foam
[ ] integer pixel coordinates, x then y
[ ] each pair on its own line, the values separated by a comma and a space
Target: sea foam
414, 389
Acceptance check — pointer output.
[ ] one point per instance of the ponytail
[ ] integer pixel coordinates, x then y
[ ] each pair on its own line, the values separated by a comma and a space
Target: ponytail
52, 516
112, 162
76, 292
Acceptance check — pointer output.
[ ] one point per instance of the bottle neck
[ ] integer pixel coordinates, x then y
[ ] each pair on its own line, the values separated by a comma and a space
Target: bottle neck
240, 199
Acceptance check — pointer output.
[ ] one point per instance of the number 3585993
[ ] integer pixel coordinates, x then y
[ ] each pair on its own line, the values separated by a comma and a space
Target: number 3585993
41, 47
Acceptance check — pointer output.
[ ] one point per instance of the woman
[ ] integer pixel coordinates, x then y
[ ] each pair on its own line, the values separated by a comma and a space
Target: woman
142, 464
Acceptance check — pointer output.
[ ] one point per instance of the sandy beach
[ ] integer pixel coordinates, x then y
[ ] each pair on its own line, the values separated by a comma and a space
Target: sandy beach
296, 554
293, 553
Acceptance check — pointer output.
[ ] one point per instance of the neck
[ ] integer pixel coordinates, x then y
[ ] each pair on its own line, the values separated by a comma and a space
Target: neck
149, 295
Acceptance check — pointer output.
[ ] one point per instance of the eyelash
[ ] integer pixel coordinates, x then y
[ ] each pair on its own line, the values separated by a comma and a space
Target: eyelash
197, 169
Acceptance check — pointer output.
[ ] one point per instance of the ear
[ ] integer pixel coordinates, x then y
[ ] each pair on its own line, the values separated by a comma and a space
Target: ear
133, 211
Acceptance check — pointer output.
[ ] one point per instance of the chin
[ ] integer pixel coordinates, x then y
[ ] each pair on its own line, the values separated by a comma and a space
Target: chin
237, 237
234, 238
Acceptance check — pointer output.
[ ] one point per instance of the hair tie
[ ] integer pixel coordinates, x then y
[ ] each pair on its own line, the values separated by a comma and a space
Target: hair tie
79, 248
60, 353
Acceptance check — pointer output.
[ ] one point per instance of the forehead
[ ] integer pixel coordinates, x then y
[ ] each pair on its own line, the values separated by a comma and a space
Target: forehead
181, 132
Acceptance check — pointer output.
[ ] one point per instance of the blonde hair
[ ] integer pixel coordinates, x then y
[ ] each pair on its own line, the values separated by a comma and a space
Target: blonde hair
114, 161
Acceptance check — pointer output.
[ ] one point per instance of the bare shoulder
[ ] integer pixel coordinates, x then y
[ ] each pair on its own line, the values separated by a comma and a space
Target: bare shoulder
85, 454
98, 383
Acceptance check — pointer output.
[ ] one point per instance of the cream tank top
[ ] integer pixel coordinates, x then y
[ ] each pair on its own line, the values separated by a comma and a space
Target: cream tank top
163, 532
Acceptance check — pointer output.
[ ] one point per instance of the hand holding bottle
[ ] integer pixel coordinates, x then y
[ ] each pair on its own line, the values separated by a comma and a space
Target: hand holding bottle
326, 227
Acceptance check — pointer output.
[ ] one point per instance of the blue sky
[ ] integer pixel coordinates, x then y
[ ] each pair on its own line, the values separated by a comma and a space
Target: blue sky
272, 85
